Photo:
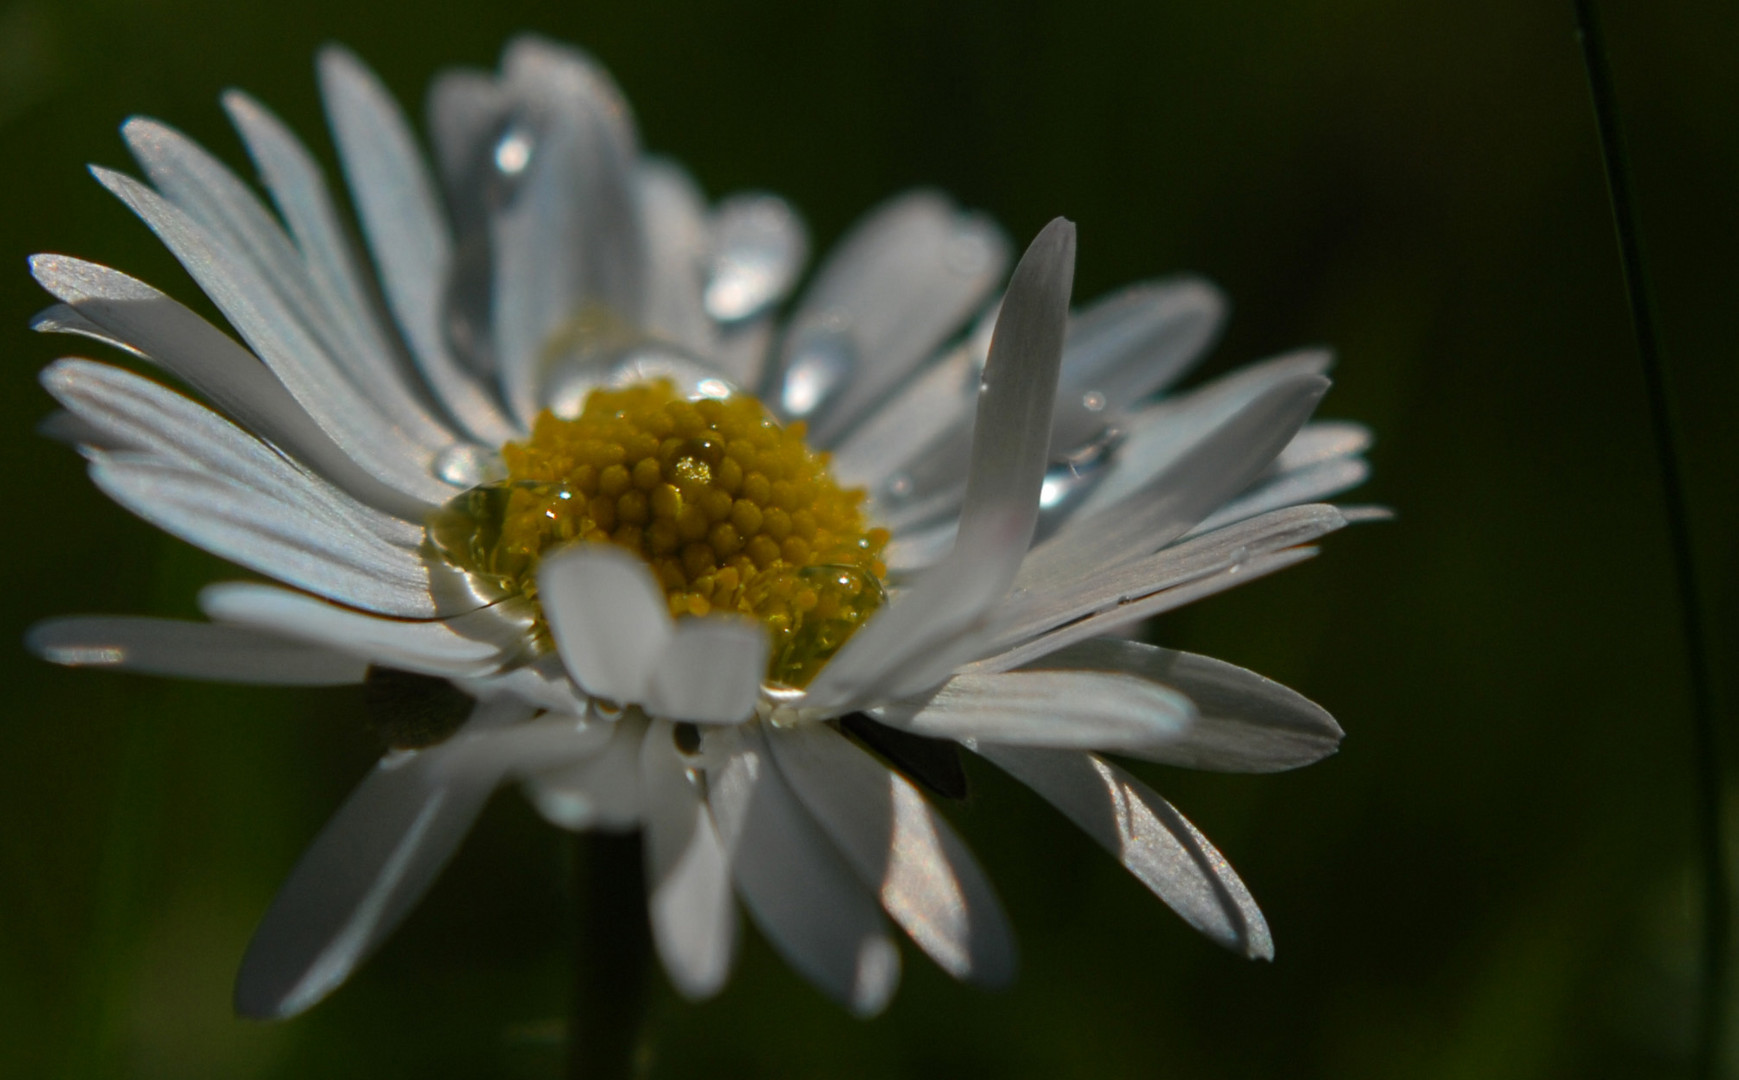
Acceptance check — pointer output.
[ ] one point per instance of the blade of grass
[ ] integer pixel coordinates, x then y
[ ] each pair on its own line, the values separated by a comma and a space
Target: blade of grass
1717, 903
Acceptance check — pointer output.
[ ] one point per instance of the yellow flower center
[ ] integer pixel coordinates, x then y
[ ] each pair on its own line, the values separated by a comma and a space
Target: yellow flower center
732, 512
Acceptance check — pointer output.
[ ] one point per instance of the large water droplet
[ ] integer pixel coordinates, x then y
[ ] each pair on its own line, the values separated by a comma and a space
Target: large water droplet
1081, 417
1072, 476
821, 359
833, 602
466, 465
466, 531
595, 349
758, 248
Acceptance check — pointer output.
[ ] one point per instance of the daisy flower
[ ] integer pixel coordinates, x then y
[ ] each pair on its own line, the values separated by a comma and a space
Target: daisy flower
543, 469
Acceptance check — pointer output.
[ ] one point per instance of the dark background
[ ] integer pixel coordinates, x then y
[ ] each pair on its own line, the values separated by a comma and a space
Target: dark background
1495, 878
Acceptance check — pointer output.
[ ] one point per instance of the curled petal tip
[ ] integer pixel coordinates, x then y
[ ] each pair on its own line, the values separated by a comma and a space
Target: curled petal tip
1055, 241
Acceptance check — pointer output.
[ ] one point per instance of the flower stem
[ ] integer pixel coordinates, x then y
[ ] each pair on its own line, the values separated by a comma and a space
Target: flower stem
1717, 903
611, 949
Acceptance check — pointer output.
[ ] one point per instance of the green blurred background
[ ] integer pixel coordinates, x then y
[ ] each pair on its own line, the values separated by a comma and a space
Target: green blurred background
1493, 879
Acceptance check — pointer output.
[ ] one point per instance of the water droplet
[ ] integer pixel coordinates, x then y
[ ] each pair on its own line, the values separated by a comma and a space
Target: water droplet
513, 151
597, 349
466, 465
1054, 489
692, 470
758, 248
841, 599
1071, 476
466, 531
821, 359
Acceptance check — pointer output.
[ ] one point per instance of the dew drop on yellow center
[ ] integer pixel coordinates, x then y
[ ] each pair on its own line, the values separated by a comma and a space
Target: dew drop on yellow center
733, 513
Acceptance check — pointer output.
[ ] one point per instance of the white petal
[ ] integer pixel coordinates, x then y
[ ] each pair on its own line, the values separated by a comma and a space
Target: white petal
362, 341
464, 107
1173, 501
934, 403
744, 350
890, 293
901, 848
1031, 611
190, 650
1123, 615
1001, 511
370, 864
568, 240
1356, 515
1306, 484
676, 247
1323, 440
544, 683
1243, 722
432, 648
287, 346
913, 551
131, 315
922, 482
290, 174
1060, 709
1161, 433
688, 877
210, 194
1155, 842
711, 671
1127, 345
609, 619
477, 130
64, 427
66, 319
406, 229
1009, 447
758, 246
207, 192
601, 792
798, 888
134, 413
550, 745
269, 536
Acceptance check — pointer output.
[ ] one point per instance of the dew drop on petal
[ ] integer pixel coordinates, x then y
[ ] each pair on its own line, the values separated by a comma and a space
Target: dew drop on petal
1070, 476
466, 465
513, 151
820, 361
758, 249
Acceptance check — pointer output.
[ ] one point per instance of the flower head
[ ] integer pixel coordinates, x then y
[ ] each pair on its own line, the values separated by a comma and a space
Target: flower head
741, 583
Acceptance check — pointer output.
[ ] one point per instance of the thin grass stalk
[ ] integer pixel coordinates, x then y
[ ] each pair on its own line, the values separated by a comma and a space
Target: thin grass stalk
1715, 974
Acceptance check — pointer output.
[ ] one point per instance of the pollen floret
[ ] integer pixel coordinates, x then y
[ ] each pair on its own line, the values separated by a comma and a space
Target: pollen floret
733, 512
